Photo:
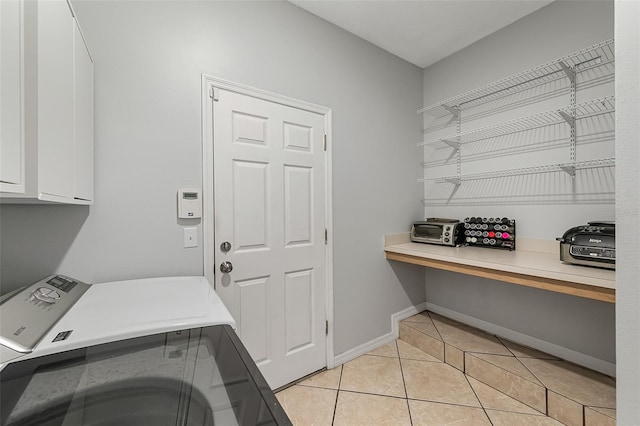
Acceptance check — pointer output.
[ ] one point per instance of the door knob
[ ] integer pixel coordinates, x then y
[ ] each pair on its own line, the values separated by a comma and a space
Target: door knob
226, 267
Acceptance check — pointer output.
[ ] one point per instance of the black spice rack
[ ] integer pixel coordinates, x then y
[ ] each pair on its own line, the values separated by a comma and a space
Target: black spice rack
490, 232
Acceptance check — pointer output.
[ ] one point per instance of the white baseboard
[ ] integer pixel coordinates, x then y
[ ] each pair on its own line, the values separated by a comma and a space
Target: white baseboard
382, 340
567, 354
570, 355
404, 314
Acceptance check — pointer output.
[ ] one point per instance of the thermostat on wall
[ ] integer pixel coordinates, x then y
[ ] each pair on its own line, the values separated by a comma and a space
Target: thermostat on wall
189, 205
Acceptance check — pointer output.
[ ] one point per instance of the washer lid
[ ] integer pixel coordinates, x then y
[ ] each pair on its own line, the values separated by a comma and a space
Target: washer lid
124, 309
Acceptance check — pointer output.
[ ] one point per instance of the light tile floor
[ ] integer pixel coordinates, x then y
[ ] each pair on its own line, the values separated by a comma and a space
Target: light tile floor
399, 384
566, 392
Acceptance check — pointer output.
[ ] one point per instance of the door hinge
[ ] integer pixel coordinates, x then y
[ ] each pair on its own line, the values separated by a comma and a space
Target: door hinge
326, 236
326, 328
214, 93
325, 142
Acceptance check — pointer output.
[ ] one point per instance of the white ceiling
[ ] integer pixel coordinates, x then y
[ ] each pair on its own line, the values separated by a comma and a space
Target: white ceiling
421, 31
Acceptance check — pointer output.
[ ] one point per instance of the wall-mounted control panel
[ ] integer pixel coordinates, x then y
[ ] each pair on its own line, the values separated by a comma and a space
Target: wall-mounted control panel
189, 203
29, 314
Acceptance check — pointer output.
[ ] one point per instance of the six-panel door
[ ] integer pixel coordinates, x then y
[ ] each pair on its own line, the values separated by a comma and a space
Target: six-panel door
269, 179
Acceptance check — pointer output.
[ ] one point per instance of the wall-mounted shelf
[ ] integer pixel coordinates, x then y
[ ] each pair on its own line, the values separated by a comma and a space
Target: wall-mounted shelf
546, 141
569, 115
567, 66
569, 168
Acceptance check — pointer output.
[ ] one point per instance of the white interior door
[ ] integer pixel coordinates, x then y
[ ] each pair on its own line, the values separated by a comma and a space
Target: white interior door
269, 200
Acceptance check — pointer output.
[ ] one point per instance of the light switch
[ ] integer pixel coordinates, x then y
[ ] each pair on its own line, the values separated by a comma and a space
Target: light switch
190, 237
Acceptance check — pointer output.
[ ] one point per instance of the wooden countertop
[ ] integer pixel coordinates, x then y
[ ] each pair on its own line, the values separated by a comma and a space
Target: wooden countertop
535, 263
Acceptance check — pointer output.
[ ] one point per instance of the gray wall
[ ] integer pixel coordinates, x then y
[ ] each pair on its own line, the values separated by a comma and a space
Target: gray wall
581, 325
628, 210
149, 57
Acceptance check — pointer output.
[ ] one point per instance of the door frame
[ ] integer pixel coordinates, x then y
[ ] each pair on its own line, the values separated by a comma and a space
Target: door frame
210, 86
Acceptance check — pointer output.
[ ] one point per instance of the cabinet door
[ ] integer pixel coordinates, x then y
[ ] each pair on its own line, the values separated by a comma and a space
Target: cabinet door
55, 99
11, 135
83, 179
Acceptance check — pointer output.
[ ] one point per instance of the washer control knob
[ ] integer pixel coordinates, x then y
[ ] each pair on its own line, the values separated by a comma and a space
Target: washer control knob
45, 294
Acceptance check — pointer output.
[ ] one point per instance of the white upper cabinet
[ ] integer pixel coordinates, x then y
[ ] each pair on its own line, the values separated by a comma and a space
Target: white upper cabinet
58, 95
55, 99
11, 106
83, 154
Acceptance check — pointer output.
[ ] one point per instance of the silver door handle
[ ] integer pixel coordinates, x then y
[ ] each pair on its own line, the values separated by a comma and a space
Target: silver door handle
226, 267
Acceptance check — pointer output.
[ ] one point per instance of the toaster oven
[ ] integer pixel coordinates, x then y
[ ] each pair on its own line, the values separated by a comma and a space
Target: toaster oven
444, 232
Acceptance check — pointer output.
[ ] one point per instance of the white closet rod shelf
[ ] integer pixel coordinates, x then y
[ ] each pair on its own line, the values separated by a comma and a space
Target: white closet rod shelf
597, 54
569, 168
588, 109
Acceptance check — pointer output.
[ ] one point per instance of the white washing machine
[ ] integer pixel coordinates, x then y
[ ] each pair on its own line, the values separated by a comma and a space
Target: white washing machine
158, 351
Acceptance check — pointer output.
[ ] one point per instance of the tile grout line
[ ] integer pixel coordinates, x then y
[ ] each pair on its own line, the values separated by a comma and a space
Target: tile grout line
484, 410
529, 370
436, 328
538, 383
335, 405
546, 401
378, 394
509, 396
404, 384
546, 413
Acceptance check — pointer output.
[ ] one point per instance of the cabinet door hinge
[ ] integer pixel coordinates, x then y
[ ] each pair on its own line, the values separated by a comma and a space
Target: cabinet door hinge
325, 142
326, 235
326, 328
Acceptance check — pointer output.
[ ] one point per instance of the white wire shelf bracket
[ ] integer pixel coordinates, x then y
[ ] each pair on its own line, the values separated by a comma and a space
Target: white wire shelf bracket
569, 115
569, 168
596, 55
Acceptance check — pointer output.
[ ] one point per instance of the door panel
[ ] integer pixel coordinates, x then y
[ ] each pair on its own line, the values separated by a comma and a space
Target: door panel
298, 137
298, 212
269, 198
249, 128
299, 310
250, 191
252, 303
